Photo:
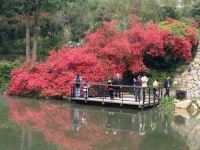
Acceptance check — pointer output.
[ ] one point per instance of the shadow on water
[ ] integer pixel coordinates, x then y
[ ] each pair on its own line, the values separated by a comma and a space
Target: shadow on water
61, 125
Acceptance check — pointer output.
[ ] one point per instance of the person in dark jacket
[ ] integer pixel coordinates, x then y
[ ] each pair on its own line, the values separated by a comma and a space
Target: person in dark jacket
110, 89
166, 85
77, 81
138, 86
118, 83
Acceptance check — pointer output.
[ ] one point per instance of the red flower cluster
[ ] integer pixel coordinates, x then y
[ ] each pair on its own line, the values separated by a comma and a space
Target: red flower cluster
54, 76
103, 53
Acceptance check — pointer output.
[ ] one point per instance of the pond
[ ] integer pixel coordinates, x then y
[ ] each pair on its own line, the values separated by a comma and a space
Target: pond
32, 124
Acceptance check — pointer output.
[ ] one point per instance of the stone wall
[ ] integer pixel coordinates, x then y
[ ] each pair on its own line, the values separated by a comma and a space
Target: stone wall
189, 79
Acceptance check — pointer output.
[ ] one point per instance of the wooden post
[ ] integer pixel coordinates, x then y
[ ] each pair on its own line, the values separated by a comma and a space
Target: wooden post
121, 93
159, 95
87, 93
149, 96
103, 96
143, 97
154, 98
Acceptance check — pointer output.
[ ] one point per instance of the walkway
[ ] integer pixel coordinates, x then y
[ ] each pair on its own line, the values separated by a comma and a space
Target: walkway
98, 93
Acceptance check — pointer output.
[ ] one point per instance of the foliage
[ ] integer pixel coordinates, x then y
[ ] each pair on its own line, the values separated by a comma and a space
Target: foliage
160, 76
168, 12
195, 11
101, 55
149, 10
69, 20
5, 69
166, 101
54, 76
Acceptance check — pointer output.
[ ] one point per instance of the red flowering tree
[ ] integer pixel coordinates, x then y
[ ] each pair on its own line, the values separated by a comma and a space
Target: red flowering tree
54, 76
103, 54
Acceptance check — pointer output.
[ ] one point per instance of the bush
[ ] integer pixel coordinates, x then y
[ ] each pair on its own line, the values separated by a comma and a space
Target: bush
102, 55
180, 94
5, 69
166, 100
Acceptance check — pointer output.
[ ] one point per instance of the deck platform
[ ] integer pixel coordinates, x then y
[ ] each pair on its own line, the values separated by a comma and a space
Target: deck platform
97, 93
121, 102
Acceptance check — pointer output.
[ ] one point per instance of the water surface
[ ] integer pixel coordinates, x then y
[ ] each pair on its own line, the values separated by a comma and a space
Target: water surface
31, 124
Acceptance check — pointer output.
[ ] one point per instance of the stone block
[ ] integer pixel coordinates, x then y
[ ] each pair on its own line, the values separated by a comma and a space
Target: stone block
198, 103
189, 85
193, 72
196, 66
188, 78
183, 104
196, 60
195, 77
182, 112
176, 101
175, 82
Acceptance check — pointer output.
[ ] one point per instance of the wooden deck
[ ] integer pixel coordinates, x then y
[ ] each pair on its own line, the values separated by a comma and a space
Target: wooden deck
97, 93
121, 102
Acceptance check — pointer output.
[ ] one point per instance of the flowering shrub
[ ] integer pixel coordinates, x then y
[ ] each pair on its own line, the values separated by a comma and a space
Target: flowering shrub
53, 77
103, 54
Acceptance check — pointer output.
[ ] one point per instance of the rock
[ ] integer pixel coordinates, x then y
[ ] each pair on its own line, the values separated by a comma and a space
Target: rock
176, 101
188, 78
196, 66
193, 72
175, 82
184, 73
198, 103
183, 104
182, 112
189, 85
195, 77
192, 63
193, 109
196, 60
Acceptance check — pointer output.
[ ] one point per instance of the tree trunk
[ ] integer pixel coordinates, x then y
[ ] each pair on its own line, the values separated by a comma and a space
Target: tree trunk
28, 53
34, 49
36, 31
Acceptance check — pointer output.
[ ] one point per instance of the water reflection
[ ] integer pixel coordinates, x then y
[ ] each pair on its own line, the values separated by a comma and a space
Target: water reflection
72, 126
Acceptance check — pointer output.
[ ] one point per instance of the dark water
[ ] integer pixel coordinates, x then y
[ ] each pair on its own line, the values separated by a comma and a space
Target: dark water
29, 124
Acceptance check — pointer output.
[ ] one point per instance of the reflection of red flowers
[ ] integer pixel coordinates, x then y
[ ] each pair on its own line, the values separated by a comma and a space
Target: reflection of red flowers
54, 121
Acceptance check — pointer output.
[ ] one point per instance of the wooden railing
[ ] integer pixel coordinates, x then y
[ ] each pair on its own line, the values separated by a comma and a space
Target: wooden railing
146, 95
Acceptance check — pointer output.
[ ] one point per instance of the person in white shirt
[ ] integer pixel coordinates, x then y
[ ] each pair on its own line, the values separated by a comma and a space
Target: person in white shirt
144, 84
144, 81
156, 86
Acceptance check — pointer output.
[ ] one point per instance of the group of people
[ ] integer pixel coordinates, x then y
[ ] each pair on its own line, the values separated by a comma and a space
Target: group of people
141, 83
114, 86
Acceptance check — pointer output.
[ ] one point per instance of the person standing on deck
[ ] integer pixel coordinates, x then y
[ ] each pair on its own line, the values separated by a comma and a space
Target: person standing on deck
77, 79
138, 86
166, 85
144, 83
155, 87
110, 89
118, 83
85, 90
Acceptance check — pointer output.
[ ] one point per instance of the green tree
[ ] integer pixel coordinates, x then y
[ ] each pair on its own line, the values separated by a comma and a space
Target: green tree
168, 12
149, 10
195, 11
